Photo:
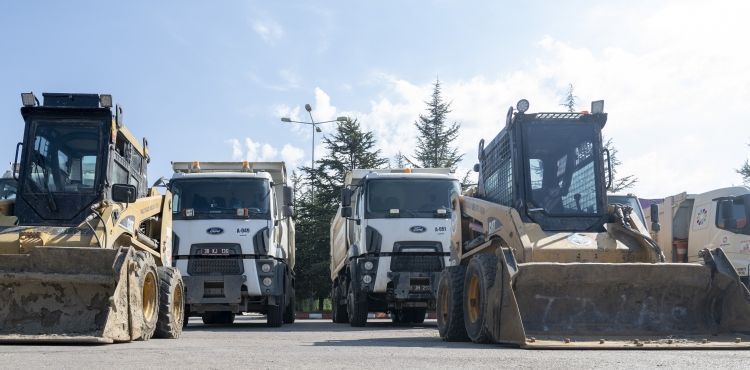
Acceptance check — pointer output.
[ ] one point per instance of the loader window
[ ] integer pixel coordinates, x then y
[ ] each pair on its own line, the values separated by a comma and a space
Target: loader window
561, 163
220, 198
63, 158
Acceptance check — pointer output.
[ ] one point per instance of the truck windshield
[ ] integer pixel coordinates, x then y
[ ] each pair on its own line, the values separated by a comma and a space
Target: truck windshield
628, 201
562, 166
63, 157
413, 198
220, 198
7, 188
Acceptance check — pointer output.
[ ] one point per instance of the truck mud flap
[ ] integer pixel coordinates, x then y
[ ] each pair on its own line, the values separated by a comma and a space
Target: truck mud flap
620, 305
56, 294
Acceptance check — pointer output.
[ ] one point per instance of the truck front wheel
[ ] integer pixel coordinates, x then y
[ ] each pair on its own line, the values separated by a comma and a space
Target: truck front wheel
356, 307
339, 314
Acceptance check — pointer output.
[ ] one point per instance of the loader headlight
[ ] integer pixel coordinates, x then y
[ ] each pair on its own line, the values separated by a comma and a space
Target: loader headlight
105, 100
28, 99
367, 279
369, 265
265, 267
523, 105
267, 281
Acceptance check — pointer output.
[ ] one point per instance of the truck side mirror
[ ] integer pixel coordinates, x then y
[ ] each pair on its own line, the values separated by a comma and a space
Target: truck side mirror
655, 226
346, 212
346, 198
288, 196
124, 193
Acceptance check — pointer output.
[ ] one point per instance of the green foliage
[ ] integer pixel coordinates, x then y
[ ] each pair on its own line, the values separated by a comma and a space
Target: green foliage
744, 171
348, 148
435, 142
618, 183
570, 99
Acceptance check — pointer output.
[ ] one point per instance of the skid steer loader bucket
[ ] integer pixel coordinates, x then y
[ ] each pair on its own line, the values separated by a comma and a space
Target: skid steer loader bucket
65, 293
621, 305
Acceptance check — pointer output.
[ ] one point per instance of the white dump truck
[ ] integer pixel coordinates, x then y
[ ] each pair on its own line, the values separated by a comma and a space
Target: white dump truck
390, 239
691, 222
233, 239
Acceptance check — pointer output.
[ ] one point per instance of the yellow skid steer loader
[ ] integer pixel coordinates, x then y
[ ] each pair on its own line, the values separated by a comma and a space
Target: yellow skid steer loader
85, 246
544, 261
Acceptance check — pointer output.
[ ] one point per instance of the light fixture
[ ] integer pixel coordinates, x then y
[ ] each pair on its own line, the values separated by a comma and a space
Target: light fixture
317, 129
522, 105
342, 118
105, 100
267, 281
367, 279
597, 106
28, 99
285, 119
369, 265
265, 267
308, 108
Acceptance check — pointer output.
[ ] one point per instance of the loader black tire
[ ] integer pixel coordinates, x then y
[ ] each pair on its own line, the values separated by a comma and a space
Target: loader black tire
171, 303
339, 314
275, 314
450, 305
480, 276
147, 278
356, 307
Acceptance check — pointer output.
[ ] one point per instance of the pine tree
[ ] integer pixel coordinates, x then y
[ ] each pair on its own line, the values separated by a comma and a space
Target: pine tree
618, 183
744, 171
347, 148
435, 142
570, 99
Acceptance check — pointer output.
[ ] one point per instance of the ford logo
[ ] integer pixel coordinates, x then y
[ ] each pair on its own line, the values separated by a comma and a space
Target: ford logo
215, 230
417, 229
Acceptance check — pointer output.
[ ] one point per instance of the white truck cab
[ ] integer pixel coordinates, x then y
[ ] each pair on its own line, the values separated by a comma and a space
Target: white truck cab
390, 241
233, 239
719, 218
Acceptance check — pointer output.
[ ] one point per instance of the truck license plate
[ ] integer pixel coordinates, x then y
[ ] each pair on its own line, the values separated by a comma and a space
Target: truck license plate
215, 251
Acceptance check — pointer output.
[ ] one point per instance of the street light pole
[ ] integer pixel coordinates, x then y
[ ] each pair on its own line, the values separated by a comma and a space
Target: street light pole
315, 128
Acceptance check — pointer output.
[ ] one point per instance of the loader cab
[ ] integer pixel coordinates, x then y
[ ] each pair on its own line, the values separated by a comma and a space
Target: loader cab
73, 152
549, 167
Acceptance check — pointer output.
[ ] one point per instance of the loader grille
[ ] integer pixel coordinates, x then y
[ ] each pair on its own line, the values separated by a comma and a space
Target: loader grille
215, 259
416, 262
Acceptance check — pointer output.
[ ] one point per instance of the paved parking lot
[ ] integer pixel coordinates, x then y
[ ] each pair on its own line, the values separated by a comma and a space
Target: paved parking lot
323, 345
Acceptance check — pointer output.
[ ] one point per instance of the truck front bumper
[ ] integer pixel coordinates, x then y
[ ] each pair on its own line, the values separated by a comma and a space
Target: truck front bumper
232, 289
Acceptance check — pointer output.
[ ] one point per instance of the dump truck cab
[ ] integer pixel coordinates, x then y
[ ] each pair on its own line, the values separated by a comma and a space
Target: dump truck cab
629, 200
84, 248
390, 240
545, 261
234, 239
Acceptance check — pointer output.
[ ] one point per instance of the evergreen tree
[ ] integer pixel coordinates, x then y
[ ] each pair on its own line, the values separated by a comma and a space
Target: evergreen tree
436, 136
398, 160
618, 183
570, 99
347, 148
744, 171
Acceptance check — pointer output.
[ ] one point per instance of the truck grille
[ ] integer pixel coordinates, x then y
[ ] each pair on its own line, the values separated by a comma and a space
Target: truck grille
416, 262
216, 261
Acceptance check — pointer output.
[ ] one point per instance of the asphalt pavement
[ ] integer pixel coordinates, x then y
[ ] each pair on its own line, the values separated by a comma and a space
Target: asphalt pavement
321, 344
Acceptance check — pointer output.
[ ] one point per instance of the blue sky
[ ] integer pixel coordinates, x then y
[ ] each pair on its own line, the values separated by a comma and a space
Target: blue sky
210, 80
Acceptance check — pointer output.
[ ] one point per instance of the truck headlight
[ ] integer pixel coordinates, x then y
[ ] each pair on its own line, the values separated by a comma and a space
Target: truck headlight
367, 279
265, 267
369, 265
267, 281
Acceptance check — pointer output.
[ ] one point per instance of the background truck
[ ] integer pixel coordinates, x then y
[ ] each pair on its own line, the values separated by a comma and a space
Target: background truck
389, 241
234, 239
85, 246
545, 261
718, 218
631, 201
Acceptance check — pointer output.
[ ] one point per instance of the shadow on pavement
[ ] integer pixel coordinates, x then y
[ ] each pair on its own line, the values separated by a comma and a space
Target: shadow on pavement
421, 342
258, 324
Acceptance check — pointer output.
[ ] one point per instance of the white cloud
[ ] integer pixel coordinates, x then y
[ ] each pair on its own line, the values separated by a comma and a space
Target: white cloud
269, 30
261, 152
292, 155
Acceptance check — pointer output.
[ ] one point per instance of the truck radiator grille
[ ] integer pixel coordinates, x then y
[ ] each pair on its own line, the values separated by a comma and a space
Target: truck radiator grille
415, 262
215, 259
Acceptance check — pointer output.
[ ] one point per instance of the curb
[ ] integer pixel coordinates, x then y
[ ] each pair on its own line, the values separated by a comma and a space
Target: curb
371, 315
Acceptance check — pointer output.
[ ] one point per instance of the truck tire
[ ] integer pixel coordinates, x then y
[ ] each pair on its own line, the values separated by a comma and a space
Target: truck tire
218, 318
147, 281
290, 313
356, 308
450, 305
171, 303
339, 314
186, 317
398, 316
275, 315
480, 276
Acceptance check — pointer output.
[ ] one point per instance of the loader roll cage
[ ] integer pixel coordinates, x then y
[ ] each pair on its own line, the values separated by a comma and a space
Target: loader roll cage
550, 168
